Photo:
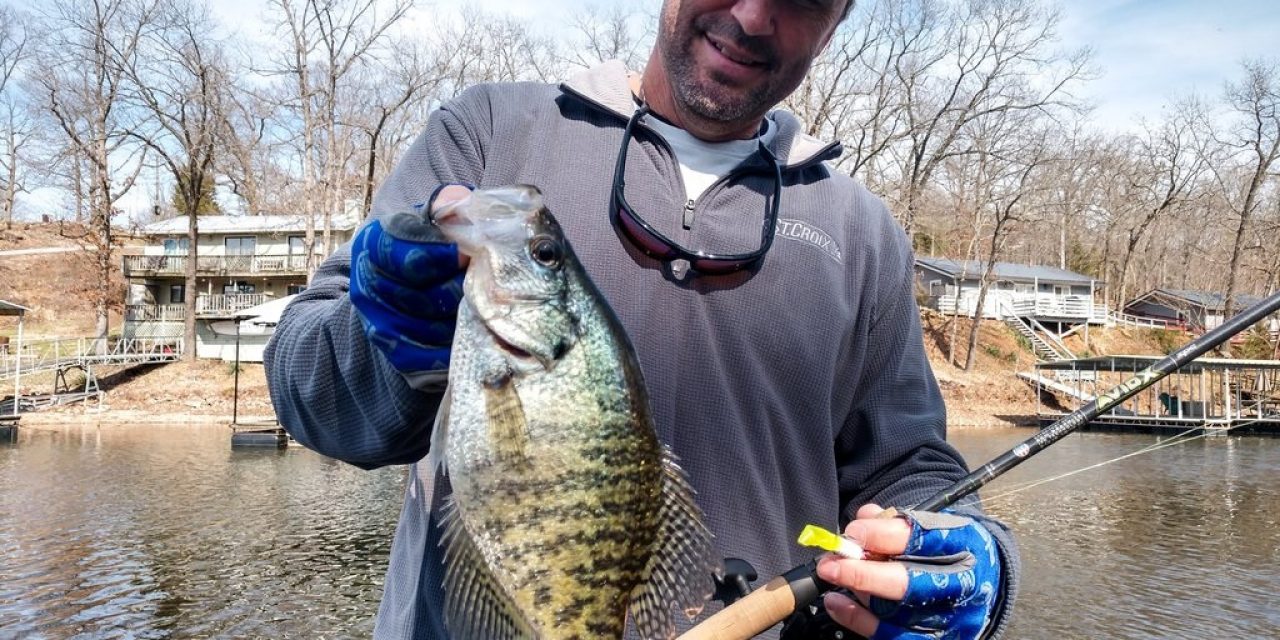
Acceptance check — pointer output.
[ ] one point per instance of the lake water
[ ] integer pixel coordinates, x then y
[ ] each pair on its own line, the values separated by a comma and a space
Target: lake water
151, 532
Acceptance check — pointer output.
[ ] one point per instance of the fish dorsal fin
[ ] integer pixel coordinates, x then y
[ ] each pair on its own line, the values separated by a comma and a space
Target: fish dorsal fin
508, 430
682, 569
475, 605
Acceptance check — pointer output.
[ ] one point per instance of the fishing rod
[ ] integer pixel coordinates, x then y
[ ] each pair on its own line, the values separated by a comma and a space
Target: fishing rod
797, 588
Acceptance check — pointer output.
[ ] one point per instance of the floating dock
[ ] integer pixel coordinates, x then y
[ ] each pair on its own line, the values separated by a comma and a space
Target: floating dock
258, 435
1208, 394
9, 428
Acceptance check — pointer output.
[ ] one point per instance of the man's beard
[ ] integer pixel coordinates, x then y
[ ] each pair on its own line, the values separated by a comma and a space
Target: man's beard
713, 100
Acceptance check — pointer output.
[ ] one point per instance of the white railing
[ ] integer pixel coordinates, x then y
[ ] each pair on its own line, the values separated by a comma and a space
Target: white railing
206, 305
1057, 307
227, 304
176, 265
1000, 305
1139, 321
154, 312
56, 353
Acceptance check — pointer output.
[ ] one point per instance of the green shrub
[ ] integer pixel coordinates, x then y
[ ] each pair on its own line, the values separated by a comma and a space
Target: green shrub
1169, 340
1025, 343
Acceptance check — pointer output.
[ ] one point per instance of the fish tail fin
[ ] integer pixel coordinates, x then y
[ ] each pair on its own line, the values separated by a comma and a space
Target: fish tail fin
476, 607
682, 569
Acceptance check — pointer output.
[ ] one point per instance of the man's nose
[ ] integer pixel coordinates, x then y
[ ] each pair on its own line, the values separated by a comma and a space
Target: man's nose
755, 16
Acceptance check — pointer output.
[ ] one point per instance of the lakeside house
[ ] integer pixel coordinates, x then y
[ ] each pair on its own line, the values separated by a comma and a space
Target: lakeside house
1196, 311
1048, 294
242, 262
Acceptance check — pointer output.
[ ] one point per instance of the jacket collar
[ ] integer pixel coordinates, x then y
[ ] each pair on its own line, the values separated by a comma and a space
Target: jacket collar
606, 86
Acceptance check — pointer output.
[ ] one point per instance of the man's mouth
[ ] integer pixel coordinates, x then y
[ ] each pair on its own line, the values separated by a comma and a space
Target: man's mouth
736, 54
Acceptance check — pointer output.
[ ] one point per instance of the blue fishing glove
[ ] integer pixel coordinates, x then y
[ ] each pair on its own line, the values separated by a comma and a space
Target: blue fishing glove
953, 588
406, 285
953, 573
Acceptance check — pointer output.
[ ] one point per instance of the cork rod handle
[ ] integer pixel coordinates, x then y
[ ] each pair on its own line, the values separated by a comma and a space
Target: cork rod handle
749, 616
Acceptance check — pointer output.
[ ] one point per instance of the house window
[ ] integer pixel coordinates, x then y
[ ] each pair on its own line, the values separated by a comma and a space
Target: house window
295, 288
1024, 287
1061, 290
238, 286
240, 245
177, 294
176, 246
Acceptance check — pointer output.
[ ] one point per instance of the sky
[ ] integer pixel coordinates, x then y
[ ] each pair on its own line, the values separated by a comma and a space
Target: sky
1152, 52
1149, 53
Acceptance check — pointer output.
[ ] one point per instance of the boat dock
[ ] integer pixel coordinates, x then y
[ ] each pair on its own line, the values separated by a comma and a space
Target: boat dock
252, 434
1210, 394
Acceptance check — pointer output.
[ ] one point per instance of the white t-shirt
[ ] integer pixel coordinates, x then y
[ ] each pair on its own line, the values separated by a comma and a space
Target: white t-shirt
702, 162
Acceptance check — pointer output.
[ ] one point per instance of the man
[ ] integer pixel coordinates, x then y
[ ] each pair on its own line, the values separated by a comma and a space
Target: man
786, 370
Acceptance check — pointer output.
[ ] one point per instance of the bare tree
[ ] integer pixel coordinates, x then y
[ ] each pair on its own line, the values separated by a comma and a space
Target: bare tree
1169, 161
327, 42
1012, 160
16, 125
619, 33
178, 86
989, 50
413, 76
853, 93
496, 48
1256, 138
248, 146
79, 79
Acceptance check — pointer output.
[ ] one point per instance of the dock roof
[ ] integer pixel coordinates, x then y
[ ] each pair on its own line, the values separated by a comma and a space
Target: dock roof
12, 309
1123, 363
1010, 271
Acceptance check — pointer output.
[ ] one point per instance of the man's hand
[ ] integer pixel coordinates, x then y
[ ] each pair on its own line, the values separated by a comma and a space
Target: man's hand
942, 580
406, 282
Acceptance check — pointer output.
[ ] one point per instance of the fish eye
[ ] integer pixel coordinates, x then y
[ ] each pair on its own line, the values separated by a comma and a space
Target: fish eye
546, 251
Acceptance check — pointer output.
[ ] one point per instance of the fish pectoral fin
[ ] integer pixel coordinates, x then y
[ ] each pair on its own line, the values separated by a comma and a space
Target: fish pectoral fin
476, 607
684, 565
508, 430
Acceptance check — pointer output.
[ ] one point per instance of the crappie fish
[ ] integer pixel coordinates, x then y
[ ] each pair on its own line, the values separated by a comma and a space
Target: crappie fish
567, 513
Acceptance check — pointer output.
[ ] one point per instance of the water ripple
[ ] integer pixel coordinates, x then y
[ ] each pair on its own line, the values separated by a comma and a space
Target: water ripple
158, 532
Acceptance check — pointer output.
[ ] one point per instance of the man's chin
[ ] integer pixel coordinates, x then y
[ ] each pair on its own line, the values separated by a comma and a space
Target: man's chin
724, 111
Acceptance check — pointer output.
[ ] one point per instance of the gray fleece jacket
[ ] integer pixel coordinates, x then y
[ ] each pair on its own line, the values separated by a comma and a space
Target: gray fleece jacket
792, 393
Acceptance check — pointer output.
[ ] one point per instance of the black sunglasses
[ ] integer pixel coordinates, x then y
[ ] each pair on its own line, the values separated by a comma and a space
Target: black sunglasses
654, 244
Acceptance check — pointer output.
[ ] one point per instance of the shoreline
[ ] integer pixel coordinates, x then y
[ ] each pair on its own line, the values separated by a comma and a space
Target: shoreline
124, 417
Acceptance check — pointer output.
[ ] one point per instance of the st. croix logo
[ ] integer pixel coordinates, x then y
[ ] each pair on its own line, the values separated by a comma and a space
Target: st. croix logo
805, 232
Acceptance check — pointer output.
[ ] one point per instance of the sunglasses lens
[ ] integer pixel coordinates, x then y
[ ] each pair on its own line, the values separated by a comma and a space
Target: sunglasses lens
646, 241
712, 266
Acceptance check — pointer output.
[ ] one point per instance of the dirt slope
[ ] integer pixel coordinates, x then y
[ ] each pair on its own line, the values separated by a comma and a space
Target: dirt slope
57, 287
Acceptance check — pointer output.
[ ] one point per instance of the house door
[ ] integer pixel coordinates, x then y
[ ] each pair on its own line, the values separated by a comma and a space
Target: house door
240, 251
297, 256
